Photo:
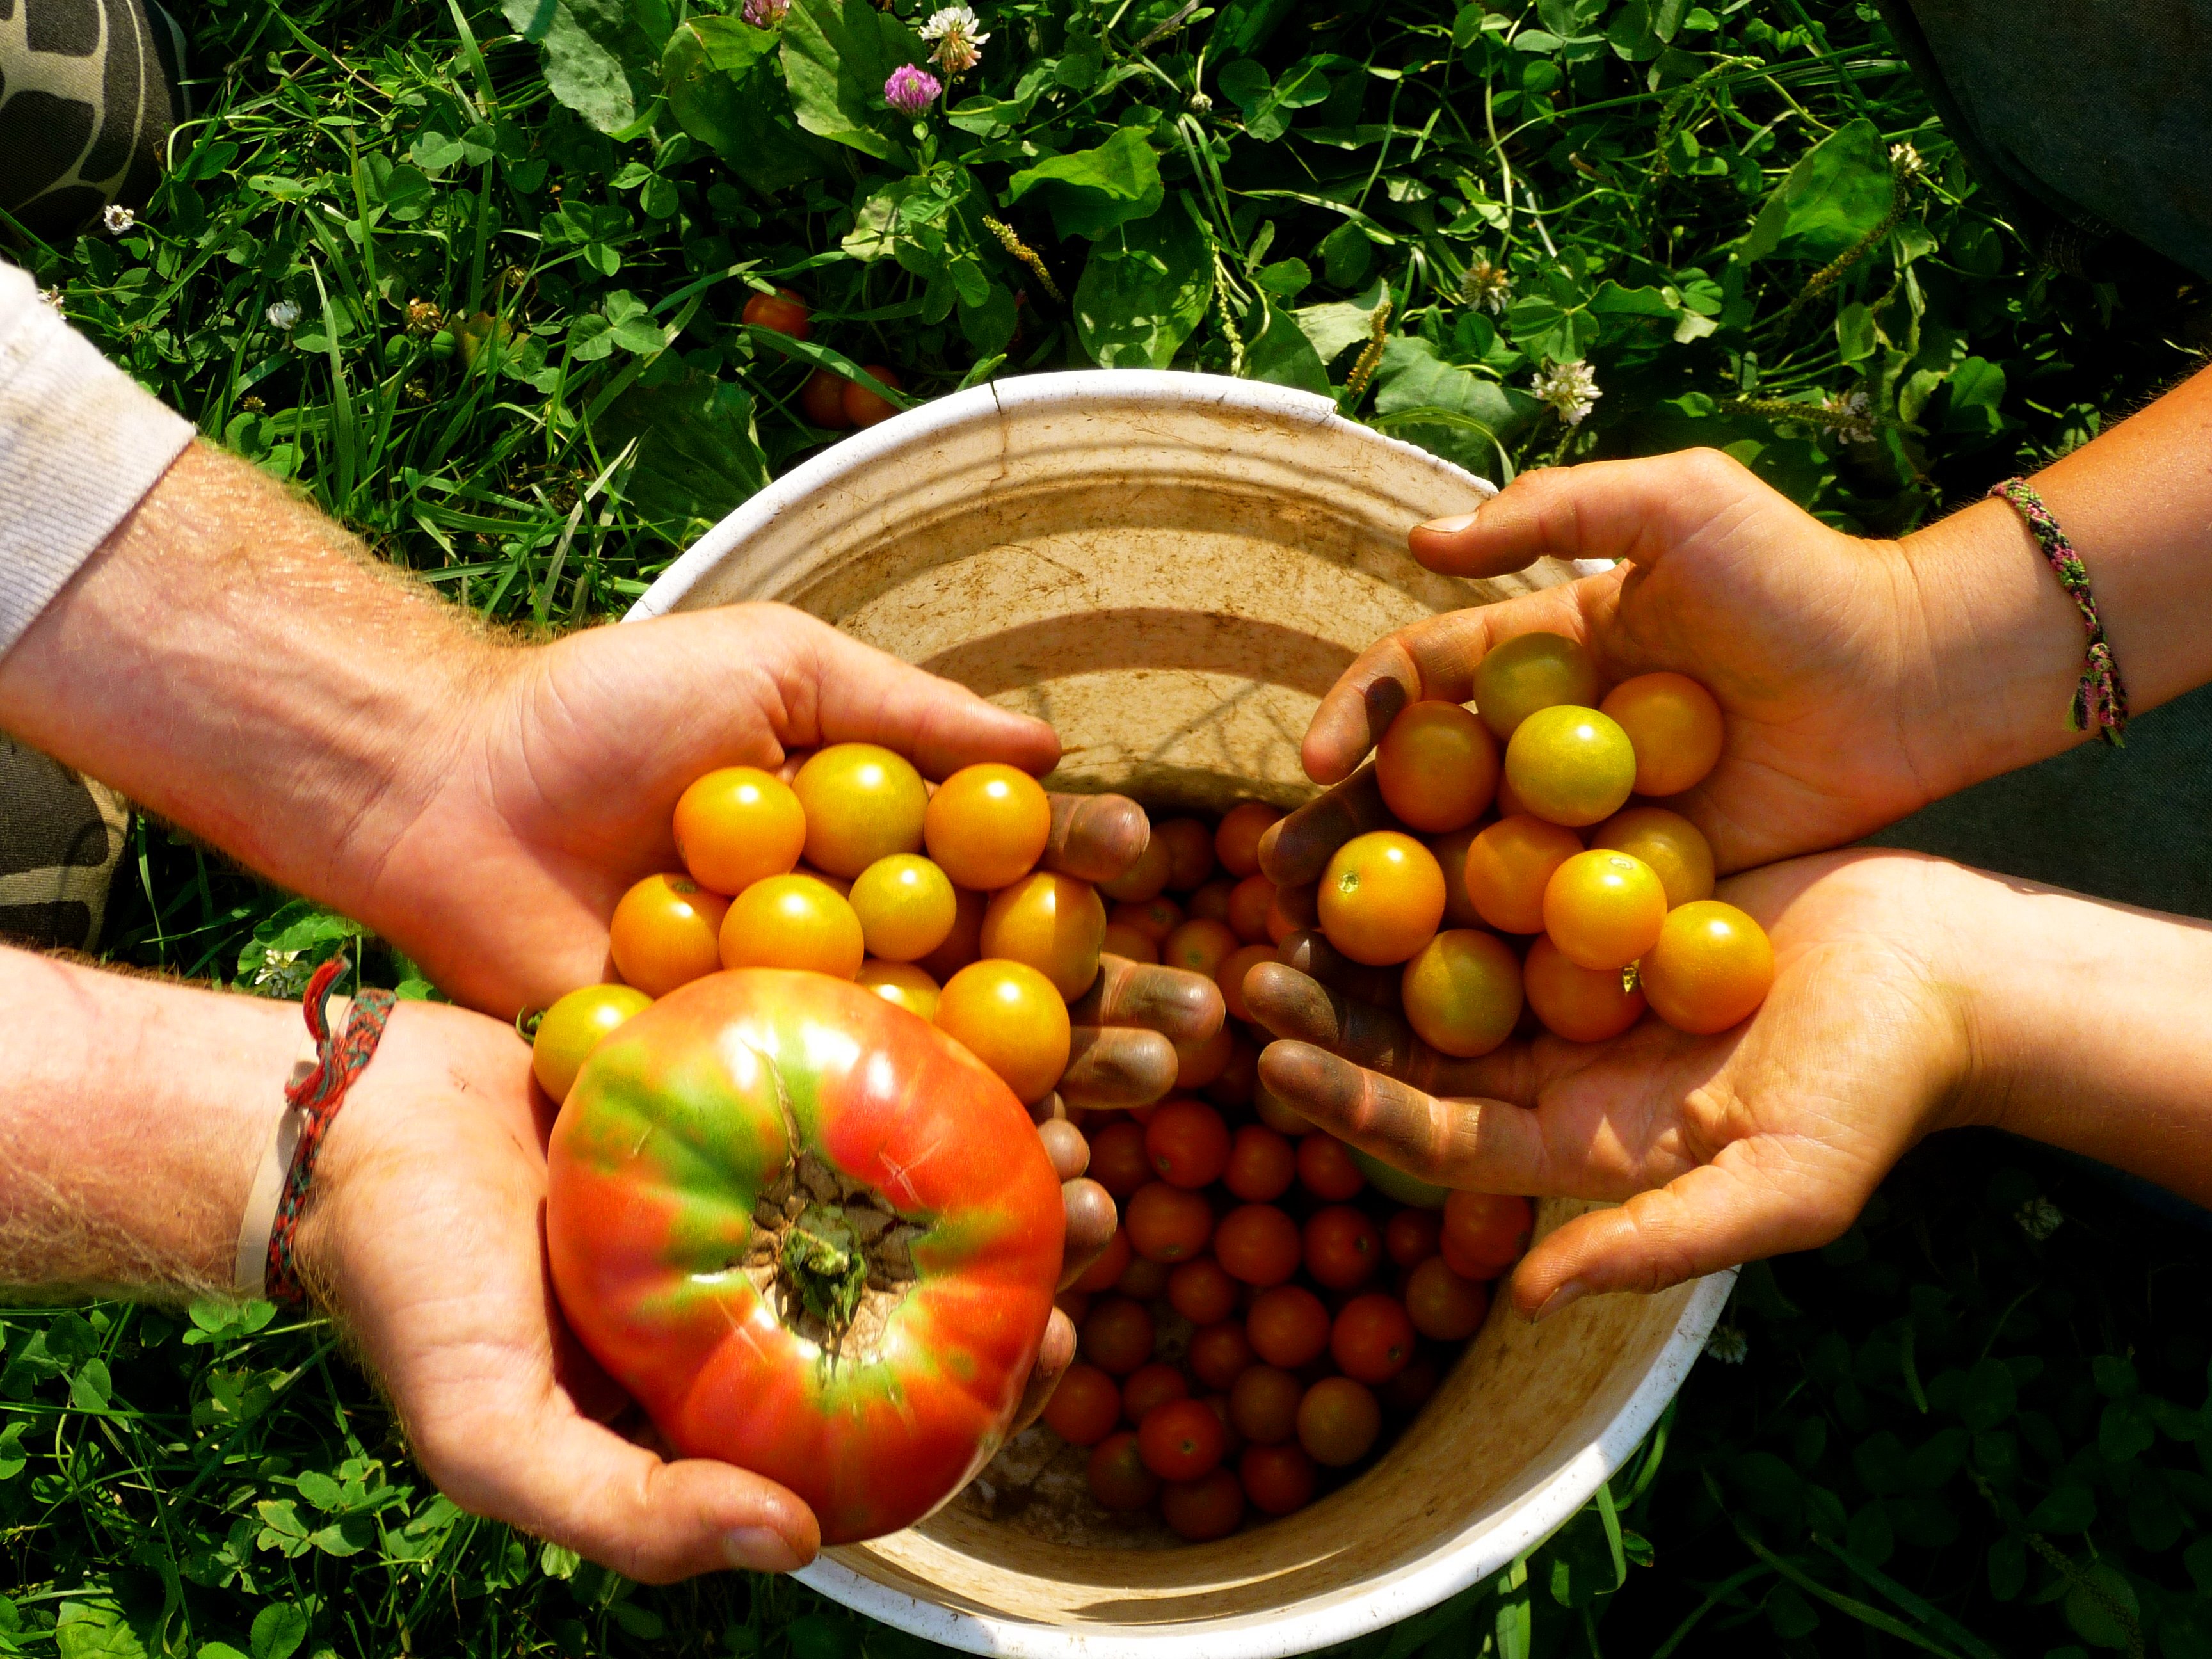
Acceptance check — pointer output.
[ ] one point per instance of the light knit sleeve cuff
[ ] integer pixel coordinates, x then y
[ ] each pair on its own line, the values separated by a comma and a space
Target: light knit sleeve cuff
79, 444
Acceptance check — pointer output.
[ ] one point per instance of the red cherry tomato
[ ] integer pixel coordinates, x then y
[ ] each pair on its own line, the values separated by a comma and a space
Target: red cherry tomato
1202, 1291
1142, 1281
1412, 1387
1412, 1236
822, 400
1190, 853
1249, 901
1443, 1305
1118, 1478
1106, 1271
1119, 1162
1288, 1327
1326, 1169
1279, 1479
1117, 1337
1151, 1386
1237, 840
1085, 1407
1181, 1440
1208, 1508
1372, 1339
1257, 1245
1485, 1233
1261, 1165
1221, 1353
1187, 1144
1337, 1421
862, 406
1263, 1405
1342, 1248
1168, 1224
782, 312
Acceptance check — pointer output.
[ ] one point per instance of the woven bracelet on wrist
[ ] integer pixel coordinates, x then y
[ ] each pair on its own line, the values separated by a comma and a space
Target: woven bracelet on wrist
2101, 701
339, 1059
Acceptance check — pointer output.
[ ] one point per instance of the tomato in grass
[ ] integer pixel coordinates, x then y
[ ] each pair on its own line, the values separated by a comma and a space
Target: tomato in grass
1149, 1386
1412, 1236
1220, 1353
1190, 853
1485, 1233
1442, 1305
900, 983
865, 408
1118, 1477
1257, 1245
964, 944
571, 1028
664, 933
1672, 846
1279, 1479
1372, 1339
1009, 1017
1154, 918
1437, 766
906, 907
1187, 1144
1117, 1336
1604, 909
1337, 1421
1326, 1169
1085, 1407
1249, 901
1201, 1510
1200, 945
783, 312
1262, 1164
863, 802
1119, 1160
1462, 992
1288, 1327
1237, 837
1263, 1405
1712, 966
822, 400
1381, 897
1230, 977
1202, 1291
1508, 866
1570, 765
1126, 942
742, 1089
986, 825
1342, 1248
1582, 1005
737, 824
1167, 1224
1106, 1271
1676, 726
1532, 671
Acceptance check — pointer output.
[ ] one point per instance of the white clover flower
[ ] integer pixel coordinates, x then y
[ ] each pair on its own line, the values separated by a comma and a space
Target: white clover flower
2038, 1218
282, 315
51, 299
1905, 161
281, 974
1728, 1345
1485, 286
1570, 388
117, 218
958, 38
1854, 413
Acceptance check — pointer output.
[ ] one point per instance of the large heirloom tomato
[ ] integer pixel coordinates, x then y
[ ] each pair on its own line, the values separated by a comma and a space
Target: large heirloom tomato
810, 1235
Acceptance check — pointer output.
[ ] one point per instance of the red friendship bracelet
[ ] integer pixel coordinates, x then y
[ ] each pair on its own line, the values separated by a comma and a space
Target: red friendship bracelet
340, 1057
2101, 701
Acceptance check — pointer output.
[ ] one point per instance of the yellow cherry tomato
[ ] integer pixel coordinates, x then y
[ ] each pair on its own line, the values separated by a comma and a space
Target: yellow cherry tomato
737, 825
1529, 672
1054, 923
1462, 992
1570, 765
663, 934
1013, 1020
906, 906
986, 825
1381, 897
1437, 766
1507, 867
1582, 1005
863, 803
964, 943
900, 982
1669, 842
1603, 909
572, 1027
1675, 725
1712, 966
793, 921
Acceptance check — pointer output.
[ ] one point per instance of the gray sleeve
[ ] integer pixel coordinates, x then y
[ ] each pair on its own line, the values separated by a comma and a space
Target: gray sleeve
79, 444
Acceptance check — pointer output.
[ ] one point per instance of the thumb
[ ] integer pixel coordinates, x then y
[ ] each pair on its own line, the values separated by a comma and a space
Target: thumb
1601, 510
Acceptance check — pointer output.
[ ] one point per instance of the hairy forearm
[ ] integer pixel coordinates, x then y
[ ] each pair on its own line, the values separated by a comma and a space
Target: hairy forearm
233, 660
133, 1115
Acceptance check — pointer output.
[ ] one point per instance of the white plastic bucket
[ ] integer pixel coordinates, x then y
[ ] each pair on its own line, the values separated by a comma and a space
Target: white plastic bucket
1172, 568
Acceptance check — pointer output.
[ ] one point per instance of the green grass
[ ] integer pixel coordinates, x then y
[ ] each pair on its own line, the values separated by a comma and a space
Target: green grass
1947, 1435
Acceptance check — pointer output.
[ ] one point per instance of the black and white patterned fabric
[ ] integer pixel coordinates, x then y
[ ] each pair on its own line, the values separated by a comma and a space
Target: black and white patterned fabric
61, 838
89, 92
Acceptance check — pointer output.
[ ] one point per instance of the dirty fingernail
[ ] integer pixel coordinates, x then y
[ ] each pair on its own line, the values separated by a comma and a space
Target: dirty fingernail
759, 1549
1565, 1296
1452, 525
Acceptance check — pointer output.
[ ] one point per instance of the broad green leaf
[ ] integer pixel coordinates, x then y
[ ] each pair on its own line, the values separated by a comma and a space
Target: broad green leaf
279, 1630
1413, 376
1245, 26
1836, 194
1092, 191
1267, 106
1554, 324
12, 1458
1285, 279
1143, 289
87, 1631
837, 56
2103, 1610
723, 82
319, 1489
1347, 253
1277, 350
1978, 388
1334, 327
599, 54
990, 322
697, 454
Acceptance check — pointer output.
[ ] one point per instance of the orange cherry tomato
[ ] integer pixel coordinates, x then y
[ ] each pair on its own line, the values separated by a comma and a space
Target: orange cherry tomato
1675, 725
1451, 857
1257, 1245
1337, 1421
1085, 1407
1230, 976
1199, 946
864, 407
1669, 842
1381, 897
1154, 918
964, 944
1462, 992
1570, 765
1582, 1005
663, 934
986, 825
1054, 923
1485, 1233
903, 983
1009, 1017
1604, 909
1262, 1164
1284, 918
863, 803
1438, 767
1288, 1324
1237, 838
1326, 1169
822, 400
1119, 940
572, 1027
735, 825
1529, 672
783, 311
793, 921
906, 907
1190, 853
1209, 901
1508, 867
1442, 1306
1713, 965
1249, 901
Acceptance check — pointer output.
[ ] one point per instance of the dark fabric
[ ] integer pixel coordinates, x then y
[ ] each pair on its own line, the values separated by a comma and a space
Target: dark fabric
89, 92
61, 838
2081, 119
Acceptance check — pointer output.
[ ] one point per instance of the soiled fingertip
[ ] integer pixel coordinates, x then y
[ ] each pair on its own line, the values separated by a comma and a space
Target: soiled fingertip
1314, 1082
1096, 837
1064, 1145
1091, 1218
